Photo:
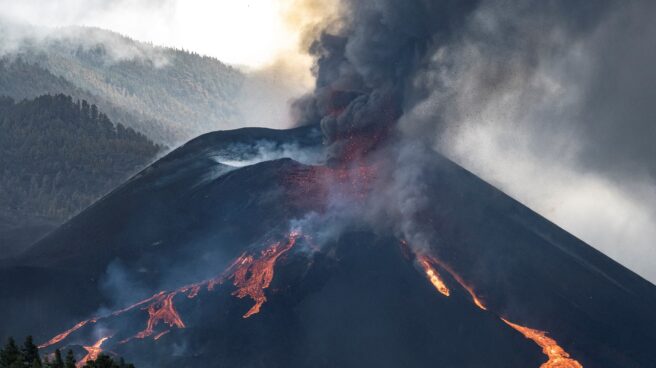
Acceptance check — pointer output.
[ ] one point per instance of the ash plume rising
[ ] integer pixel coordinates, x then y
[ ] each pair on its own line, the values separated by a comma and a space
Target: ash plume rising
508, 90
366, 63
377, 61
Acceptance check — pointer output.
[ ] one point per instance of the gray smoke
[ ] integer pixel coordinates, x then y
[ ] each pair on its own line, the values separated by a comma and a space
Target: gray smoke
550, 101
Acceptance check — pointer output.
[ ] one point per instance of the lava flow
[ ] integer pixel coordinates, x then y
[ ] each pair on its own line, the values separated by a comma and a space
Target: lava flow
164, 311
477, 301
433, 275
558, 357
92, 352
252, 275
65, 334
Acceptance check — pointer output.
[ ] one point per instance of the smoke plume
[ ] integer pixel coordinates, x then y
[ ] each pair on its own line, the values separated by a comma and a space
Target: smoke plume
549, 101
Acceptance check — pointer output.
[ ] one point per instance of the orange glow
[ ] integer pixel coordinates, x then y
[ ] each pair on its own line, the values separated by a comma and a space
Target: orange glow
433, 275
558, 357
164, 311
477, 301
313, 185
193, 291
252, 276
156, 337
65, 334
92, 352
155, 297
474, 298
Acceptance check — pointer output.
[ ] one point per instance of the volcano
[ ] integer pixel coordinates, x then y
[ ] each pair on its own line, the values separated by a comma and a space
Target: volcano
249, 248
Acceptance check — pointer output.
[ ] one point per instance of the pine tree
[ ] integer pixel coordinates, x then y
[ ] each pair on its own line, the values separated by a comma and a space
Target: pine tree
30, 351
58, 362
9, 354
70, 360
36, 363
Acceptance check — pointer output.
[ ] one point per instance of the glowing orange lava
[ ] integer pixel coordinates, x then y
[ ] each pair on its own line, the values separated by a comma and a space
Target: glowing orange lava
433, 275
193, 291
163, 311
65, 334
156, 337
477, 301
558, 357
252, 276
92, 352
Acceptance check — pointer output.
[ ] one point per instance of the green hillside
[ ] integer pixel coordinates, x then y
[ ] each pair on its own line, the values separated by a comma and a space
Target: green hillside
58, 155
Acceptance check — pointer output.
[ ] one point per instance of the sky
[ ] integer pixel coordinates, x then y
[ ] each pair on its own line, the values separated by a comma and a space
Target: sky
570, 135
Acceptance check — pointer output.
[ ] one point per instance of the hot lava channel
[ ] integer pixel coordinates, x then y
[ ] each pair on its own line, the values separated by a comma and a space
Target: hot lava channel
556, 355
251, 274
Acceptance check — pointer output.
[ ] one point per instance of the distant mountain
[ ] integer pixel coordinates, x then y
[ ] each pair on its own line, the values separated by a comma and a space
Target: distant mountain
225, 254
22, 80
168, 94
57, 156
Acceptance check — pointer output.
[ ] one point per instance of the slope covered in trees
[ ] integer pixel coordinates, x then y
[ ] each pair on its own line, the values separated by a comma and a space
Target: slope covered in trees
58, 155
21, 79
168, 94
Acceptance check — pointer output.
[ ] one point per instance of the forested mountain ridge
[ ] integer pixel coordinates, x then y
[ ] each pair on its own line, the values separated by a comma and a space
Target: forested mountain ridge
58, 155
168, 94
20, 80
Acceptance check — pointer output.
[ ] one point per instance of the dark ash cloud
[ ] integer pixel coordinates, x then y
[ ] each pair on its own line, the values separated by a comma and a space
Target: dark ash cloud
550, 101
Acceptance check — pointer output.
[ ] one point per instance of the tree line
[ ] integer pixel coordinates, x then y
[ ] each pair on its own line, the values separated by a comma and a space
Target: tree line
58, 155
28, 356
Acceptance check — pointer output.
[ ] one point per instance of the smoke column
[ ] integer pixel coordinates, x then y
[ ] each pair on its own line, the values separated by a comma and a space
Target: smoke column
519, 92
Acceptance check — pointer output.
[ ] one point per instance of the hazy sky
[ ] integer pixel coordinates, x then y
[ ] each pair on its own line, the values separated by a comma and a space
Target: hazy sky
245, 32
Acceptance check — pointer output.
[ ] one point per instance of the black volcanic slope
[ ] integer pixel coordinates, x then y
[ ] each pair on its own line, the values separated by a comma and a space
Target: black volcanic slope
359, 298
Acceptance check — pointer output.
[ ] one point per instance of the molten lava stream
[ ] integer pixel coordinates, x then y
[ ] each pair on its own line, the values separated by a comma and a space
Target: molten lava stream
92, 352
558, 357
477, 301
252, 276
163, 311
433, 275
65, 334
